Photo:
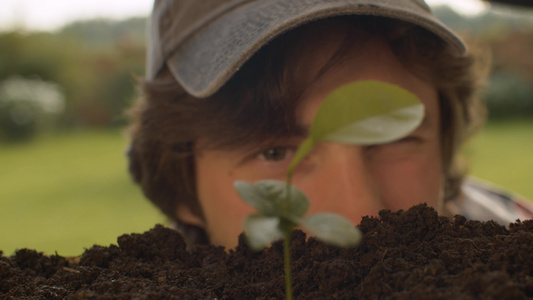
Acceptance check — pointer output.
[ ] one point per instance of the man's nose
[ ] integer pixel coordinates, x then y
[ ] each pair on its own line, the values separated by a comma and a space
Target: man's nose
337, 178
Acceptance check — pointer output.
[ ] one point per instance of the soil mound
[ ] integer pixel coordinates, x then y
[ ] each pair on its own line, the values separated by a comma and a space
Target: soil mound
413, 254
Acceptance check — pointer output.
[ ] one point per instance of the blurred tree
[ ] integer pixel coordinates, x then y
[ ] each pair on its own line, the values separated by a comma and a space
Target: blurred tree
115, 53
485, 24
104, 33
508, 95
95, 62
509, 34
42, 54
514, 53
28, 107
524, 3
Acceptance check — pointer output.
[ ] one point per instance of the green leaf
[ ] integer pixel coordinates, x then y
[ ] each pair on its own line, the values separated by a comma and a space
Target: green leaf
256, 198
261, 230
269, 197
367, 112
305, 147
332, 229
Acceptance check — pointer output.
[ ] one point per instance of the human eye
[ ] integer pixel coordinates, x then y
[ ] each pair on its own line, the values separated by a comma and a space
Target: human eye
276, 154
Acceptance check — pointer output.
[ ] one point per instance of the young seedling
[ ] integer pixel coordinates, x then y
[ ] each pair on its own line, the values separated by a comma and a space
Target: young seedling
363, 113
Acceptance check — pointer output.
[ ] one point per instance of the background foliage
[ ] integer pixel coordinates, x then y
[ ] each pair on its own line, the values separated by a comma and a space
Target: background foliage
96, 63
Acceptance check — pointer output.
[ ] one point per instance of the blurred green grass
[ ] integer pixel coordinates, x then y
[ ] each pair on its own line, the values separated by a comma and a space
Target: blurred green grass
67, 192
503, 154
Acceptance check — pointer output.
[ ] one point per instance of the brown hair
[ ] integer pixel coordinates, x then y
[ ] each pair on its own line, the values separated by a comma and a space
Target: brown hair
260, 101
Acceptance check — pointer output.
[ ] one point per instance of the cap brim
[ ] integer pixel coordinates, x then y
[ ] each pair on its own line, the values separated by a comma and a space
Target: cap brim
206, 61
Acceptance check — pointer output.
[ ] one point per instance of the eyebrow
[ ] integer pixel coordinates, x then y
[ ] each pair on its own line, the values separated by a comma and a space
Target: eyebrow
300, 130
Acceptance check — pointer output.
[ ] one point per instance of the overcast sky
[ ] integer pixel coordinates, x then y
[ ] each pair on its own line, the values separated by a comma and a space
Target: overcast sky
52, 14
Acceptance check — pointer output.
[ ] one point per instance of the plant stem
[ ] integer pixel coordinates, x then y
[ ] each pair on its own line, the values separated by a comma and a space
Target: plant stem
287, 261
287, 192
287, 242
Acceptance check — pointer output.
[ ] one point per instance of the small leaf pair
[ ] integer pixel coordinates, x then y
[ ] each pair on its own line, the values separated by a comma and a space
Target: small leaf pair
277, 218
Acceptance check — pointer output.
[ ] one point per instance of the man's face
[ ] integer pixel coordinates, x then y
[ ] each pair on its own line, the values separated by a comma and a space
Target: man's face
350, 180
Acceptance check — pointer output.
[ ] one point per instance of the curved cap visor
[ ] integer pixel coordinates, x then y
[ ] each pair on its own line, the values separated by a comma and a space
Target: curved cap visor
208, 58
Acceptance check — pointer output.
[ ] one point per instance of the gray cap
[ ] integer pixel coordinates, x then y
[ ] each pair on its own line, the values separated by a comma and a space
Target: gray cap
204, 42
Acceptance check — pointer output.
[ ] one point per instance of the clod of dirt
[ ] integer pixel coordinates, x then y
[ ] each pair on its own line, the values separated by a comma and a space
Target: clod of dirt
413, 254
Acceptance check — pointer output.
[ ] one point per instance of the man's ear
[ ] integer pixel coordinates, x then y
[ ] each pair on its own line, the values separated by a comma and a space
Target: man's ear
191, 227
185, 215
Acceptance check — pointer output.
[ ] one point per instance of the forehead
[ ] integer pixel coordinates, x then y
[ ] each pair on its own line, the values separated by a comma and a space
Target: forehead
371, 60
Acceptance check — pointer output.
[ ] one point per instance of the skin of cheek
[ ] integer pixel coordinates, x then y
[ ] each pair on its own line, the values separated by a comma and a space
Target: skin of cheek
335, 178
418, 176
409, 182
222, 206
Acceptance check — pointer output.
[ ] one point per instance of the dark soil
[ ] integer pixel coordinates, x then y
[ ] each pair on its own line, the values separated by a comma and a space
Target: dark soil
404, 255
